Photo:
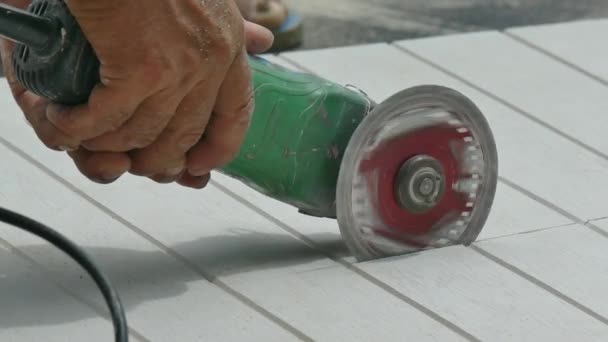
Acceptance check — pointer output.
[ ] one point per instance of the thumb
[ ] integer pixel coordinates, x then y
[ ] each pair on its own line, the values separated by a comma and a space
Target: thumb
258, 39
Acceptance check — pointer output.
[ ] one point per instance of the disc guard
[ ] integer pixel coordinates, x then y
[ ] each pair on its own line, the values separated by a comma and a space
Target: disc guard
419, 172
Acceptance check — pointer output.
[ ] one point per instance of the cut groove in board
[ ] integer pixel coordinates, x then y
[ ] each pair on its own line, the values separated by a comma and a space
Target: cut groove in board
35, 309
486, 299
216, 234
582, 274
528, 154
575, 43
541, 86
160, 295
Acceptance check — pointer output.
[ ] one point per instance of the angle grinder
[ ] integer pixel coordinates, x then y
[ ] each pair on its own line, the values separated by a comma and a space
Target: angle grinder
414, 172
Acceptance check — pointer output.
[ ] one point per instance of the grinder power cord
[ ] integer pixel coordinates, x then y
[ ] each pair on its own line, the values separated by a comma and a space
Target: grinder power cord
416, 171
109, 293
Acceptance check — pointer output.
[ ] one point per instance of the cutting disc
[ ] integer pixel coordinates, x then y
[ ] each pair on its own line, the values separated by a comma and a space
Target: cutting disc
420, 172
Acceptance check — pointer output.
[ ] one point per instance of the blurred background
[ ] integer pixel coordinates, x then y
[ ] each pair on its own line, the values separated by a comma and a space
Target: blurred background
330, 23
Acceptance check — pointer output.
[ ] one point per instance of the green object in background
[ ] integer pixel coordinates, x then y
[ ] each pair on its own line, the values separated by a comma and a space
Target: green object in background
299, 131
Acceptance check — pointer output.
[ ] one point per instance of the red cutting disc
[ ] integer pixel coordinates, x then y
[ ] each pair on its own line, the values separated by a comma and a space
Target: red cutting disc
379, 208
442, 142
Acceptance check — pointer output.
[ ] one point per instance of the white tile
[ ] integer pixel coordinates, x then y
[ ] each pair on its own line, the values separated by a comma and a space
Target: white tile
572, 260
161, 295
528, 154
543, 87
486, 300
34, 309
578, 42
215, 233
602, 224
515, 213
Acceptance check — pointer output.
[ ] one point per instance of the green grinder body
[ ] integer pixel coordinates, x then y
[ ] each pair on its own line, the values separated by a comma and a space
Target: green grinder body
299, 131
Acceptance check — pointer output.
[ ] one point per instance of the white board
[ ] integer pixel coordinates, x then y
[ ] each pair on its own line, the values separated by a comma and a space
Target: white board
243, 252
161, 295
33, 308
579, 43
382, 70
571, 260
486, 299
541, 87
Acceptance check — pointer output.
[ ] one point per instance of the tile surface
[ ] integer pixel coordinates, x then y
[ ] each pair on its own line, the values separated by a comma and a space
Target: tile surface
227, 263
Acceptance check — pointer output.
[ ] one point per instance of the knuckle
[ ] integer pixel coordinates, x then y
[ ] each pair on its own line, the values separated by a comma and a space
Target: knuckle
111, 122
142, 139
156, 70
189, 138
224, 47
148, 134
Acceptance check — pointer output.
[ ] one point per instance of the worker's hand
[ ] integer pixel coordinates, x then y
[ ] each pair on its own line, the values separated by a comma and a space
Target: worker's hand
175, 97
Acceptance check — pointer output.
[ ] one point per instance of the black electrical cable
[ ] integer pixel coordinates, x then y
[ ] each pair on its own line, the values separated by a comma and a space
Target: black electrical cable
109, 293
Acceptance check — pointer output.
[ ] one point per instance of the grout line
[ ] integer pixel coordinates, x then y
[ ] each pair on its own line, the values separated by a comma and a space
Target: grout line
540, 284
196, 269
504, 102
598, 219
528, 232
548, 204
527, 193
597, 229
90, 304
507, 182
357, 270
546, 52
296, 64
574, 67
529, 116
353, 267
540, 200
268, 216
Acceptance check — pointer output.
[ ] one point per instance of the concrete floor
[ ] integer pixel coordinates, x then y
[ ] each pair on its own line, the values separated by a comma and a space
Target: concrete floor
347, 22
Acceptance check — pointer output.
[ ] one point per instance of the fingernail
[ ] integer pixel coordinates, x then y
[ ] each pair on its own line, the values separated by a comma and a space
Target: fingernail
175, 171
106, 179
199, 172
67, 148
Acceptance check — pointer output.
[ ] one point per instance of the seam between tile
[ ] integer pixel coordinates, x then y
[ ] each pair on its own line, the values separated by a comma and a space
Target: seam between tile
598, 219
573, 66
503, 180
525, 192
529, 277
586, 223
341, 261
354, 268
102, 312
502, 101
170, 252
557, 209
532, 231
540, 284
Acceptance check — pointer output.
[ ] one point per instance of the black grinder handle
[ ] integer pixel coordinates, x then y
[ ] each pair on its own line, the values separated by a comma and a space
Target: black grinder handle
65, 69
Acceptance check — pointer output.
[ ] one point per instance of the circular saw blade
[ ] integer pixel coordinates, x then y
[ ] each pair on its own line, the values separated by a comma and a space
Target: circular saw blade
419, 172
